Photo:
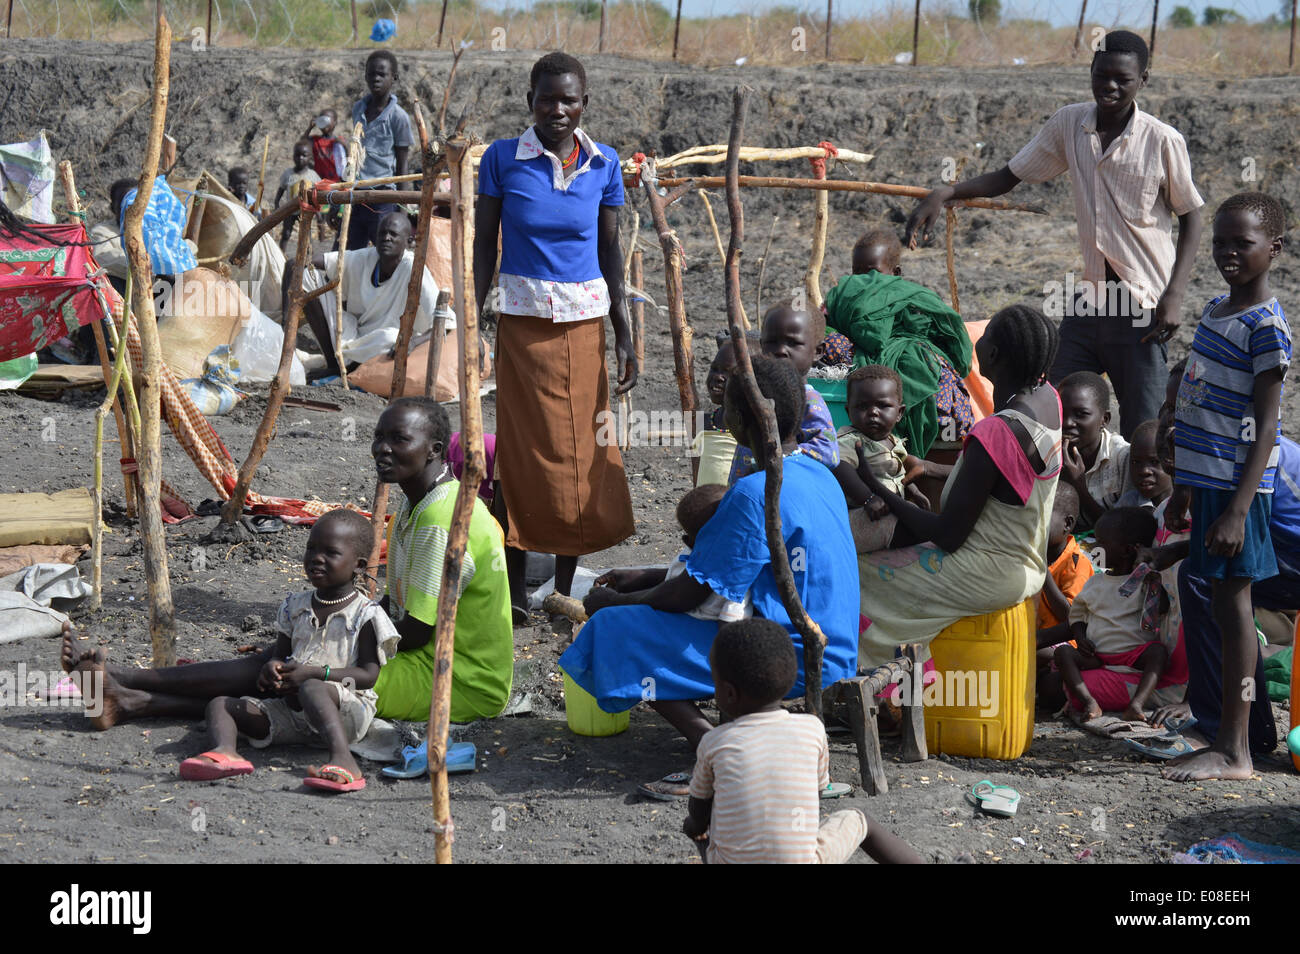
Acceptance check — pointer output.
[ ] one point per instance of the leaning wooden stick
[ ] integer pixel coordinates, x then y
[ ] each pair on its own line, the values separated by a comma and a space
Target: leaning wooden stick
637, 274
814, 641
261, 177
345, 221
402, 349
950, 225
101, 412
471, 441
162, 614
234, 507
125, 436
821, 216
683, 359
844, 185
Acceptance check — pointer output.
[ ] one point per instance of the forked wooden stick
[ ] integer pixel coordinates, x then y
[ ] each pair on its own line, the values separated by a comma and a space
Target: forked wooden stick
162, 613
345, 221
683, 358
234, 507
471, 442
814, 641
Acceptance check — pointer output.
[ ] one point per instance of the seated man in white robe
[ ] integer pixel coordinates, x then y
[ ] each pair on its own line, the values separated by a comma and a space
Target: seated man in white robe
374, 288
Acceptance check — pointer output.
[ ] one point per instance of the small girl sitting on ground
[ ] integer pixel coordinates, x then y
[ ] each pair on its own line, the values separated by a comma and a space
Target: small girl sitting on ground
1126, 637
874, 403
330, 646
694, 510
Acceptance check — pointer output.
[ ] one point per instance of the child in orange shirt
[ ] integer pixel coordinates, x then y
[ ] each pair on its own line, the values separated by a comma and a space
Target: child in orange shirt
1068, 569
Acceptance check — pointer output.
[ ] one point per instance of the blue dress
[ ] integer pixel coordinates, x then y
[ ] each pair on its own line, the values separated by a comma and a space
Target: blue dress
630, 654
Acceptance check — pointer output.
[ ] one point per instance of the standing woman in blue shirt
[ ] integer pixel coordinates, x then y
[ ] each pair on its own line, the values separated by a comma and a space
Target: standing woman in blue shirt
554, 197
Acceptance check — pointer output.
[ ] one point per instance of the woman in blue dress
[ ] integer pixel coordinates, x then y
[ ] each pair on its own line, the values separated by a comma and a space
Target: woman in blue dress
643, 646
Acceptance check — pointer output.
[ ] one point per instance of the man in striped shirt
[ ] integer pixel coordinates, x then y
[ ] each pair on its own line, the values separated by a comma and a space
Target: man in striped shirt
1226, 431
1131, 176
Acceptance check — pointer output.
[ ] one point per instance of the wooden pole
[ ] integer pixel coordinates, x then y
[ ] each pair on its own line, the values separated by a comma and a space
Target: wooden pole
261, 176
125, 436
677, 28
842, 185
401, 350
101, 412
1290, 59
354, 161
234, 507
354, 22
916, 32
416, 284
638, 307
600, 48
9, 19
208, 35
951, 225
442, 21
471, 441
813, 640
683, 359
1155, 17
446, 92
828, 29
435, 344
1078, 33
162, 616
762, 268
821, 217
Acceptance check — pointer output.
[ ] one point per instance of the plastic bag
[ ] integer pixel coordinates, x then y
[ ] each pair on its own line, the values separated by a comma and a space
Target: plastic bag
257, 350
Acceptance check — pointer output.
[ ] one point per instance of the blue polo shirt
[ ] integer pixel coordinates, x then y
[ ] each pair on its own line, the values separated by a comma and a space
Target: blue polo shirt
549, 233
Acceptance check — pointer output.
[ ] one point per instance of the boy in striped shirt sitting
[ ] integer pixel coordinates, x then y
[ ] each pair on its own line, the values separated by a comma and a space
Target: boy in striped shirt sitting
756, 784
1226, 435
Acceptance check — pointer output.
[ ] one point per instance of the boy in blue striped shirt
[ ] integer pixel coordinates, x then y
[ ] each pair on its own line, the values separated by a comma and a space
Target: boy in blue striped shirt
1226, 435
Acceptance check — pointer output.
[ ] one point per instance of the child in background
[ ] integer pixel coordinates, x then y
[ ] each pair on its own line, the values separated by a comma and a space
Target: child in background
906, 326
874, 403
1226, 436
796, 336
329, 157
1068, 569
757, 779
714, 448
1094, 459
302, 171
387, 138
237, 180
1151, 483
694, 510
1124, 637
330, 646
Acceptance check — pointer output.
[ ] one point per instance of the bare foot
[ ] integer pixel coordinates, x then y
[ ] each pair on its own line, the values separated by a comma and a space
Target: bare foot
1091, 710
1207, 764
107, 701
70, 654
1195, 740
1133, 714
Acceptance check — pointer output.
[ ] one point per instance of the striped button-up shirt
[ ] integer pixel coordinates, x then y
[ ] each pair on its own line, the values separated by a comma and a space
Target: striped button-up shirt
1125, 198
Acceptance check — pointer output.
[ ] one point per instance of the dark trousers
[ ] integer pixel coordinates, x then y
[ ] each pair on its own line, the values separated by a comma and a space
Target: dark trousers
1112, 345
1204, 641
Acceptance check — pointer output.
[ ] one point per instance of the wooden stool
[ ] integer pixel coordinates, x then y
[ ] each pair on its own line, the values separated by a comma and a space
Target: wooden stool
854, 701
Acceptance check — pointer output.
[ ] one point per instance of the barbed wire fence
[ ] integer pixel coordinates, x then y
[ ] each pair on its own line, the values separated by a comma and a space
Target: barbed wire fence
1242, 35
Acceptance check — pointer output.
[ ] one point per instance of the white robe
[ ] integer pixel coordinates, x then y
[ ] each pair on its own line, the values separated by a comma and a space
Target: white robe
372, 315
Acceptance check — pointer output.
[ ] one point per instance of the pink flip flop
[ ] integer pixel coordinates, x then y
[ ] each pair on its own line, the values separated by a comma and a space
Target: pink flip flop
354, 783
65, 688
210, 766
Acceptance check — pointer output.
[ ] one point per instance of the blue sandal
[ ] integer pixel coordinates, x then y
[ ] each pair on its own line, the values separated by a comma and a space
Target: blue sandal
461, 757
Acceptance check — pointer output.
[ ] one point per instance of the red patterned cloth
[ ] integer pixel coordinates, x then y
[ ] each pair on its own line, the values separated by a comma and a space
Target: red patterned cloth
47, 289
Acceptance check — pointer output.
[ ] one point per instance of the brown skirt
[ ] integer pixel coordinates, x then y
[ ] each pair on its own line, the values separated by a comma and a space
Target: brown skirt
566, 492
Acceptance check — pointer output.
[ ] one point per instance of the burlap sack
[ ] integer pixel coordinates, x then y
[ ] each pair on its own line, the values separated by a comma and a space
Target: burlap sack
202, 312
